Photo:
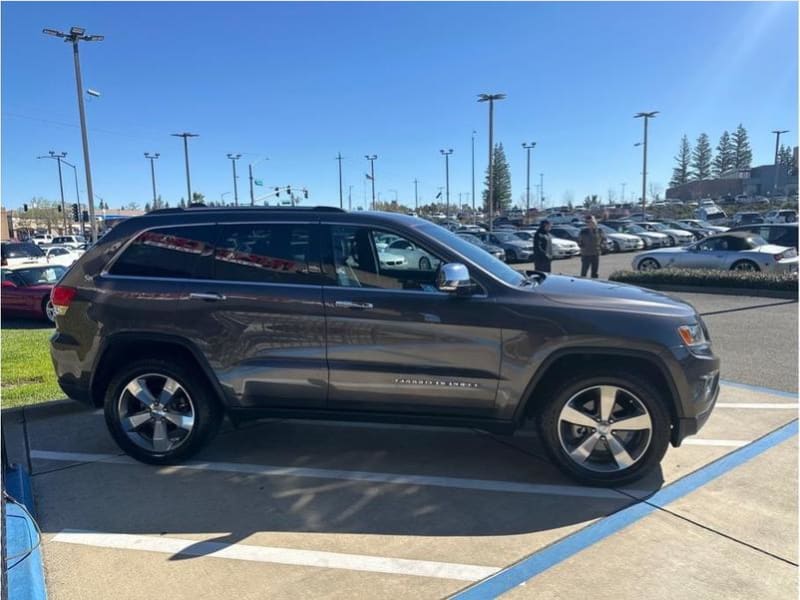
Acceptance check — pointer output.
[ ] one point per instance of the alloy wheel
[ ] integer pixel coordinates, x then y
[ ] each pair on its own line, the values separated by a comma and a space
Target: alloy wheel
605, 428
156, 412
50, 311
648, 264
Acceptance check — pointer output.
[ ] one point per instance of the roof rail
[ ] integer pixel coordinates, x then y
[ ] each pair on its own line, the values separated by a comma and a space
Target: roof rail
197, 206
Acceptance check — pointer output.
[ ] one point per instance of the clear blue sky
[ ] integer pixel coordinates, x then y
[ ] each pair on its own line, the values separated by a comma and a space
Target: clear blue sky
301, 82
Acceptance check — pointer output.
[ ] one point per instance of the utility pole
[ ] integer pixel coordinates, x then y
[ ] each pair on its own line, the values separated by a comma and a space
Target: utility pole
490, 98
371, 158
777, 133
541, 191
75, 35
528, 148
474, 214
250, 175
186, 135
341, 200
350, 198
623, 184
646, 116
416, 196
152, 158
446, 154
233, 158
77, 197
58, 158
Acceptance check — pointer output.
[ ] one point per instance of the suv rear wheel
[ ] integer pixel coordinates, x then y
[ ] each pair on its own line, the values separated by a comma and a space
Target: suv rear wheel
158, 412
605, 428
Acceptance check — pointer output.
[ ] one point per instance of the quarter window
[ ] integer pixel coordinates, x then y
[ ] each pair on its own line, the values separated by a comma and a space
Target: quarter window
169, 252
266, 253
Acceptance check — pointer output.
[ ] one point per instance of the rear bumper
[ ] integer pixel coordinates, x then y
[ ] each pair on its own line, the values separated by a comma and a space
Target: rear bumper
72, 377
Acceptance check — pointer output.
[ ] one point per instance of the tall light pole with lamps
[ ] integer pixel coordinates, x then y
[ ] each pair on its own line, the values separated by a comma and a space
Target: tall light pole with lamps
152, 158
372, 158
474, 214
446, 154
341, 195
75, 35
186, 135
58, 158
233, 158
77, 197
528, 148
490, 98
646, 116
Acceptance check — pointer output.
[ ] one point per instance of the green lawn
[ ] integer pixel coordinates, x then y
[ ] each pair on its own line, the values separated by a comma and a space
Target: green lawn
26, 371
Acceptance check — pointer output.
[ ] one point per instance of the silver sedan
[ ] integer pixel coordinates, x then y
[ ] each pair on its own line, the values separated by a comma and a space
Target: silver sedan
736, 251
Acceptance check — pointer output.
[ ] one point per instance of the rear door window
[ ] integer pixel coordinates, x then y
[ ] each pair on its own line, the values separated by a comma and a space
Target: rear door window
282, 253
169, 252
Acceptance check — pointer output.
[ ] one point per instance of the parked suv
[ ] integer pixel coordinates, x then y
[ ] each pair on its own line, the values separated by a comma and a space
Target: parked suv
182, 315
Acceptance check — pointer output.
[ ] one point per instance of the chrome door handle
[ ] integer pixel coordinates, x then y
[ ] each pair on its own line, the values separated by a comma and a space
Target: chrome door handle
356, 305
206, 296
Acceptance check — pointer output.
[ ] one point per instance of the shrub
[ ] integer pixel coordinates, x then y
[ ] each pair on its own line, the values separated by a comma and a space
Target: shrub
710, 278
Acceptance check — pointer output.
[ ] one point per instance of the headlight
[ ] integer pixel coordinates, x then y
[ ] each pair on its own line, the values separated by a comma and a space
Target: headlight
692, 335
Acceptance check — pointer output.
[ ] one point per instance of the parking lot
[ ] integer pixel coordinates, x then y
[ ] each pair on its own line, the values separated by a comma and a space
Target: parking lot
295, 509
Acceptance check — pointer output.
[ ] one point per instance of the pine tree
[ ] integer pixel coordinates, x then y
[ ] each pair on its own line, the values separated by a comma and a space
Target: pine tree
742, 153
701, 159
680, 174
147, 207
183, 203
166, 204
501, 181
785, 156
724, 160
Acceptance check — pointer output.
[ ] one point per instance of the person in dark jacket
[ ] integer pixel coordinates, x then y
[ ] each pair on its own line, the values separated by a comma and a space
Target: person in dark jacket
543, 247
590, 241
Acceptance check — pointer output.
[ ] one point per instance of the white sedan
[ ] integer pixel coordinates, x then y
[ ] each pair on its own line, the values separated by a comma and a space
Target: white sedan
415, 257
735, 251
59, 255
677, 237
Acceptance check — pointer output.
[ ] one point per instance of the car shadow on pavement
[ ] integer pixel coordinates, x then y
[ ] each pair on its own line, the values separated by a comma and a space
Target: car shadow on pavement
215, 495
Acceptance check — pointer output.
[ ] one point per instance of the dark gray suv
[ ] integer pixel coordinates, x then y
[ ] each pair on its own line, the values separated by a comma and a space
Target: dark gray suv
182, 316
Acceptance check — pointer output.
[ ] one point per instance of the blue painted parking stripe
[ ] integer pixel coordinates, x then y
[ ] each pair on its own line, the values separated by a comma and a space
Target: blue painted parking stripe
761, 390
542, 560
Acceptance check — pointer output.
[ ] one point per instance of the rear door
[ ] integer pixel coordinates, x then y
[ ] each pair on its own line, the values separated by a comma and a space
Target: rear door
397, 344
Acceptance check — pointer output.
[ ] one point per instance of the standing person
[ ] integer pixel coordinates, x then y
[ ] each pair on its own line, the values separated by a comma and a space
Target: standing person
543, 247
590, 241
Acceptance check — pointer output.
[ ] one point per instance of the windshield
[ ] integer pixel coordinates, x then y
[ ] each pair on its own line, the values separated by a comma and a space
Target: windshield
606, 228
506, 237
482, 259
658, 226
524, 235
21, 250
574, 231
40, 275
634, 229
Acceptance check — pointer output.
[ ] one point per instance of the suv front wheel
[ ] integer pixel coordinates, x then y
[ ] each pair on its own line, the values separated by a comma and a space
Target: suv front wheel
605, 429
159, 413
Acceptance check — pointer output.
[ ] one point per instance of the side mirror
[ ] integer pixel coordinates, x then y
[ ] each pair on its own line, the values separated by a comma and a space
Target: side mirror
453, 278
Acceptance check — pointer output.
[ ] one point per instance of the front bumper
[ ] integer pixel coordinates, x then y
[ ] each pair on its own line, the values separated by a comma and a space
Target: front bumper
697, 383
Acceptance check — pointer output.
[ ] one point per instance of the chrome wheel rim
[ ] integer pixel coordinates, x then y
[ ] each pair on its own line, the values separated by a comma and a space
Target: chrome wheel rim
156, 412
605, 428
744, 266
648, 264
50, 311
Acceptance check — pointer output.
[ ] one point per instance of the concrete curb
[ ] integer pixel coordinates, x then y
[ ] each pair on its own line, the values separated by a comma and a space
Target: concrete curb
46, 409
697, 289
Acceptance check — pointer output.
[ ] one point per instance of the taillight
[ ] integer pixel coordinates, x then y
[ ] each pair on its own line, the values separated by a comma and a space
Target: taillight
61, 297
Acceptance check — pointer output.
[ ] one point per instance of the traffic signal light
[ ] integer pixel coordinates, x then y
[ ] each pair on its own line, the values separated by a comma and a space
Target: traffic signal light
24, 208
75, 212
86, 216
288, 190
305, 194
277, 193
58, 208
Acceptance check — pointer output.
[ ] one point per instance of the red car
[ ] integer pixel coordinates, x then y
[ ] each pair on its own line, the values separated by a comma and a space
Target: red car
26, 290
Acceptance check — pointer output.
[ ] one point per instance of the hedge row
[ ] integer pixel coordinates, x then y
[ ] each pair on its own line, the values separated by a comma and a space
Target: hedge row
710, 278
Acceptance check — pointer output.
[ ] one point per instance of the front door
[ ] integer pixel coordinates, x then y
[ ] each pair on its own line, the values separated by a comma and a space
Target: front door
397, 344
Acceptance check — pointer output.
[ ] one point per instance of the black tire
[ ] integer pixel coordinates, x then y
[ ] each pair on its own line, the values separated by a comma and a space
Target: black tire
647, 395
654, 264
207, 411
511, 256
745, 265
616, 247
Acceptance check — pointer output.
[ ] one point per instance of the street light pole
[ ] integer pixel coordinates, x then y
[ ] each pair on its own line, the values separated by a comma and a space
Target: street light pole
528, 148
371, 158
646, 116
541, 191
474, 214
186, 135
152, 158
777, 133
250, 176
58, 158
416, 197
623, 184
490, 98
233, 158
350, 198
77, 198
341, 196
446, 154
75, 35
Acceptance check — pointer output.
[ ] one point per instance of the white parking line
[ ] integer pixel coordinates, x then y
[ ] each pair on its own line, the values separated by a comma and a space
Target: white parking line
487, 485
281, 556
724, 443
759, 405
